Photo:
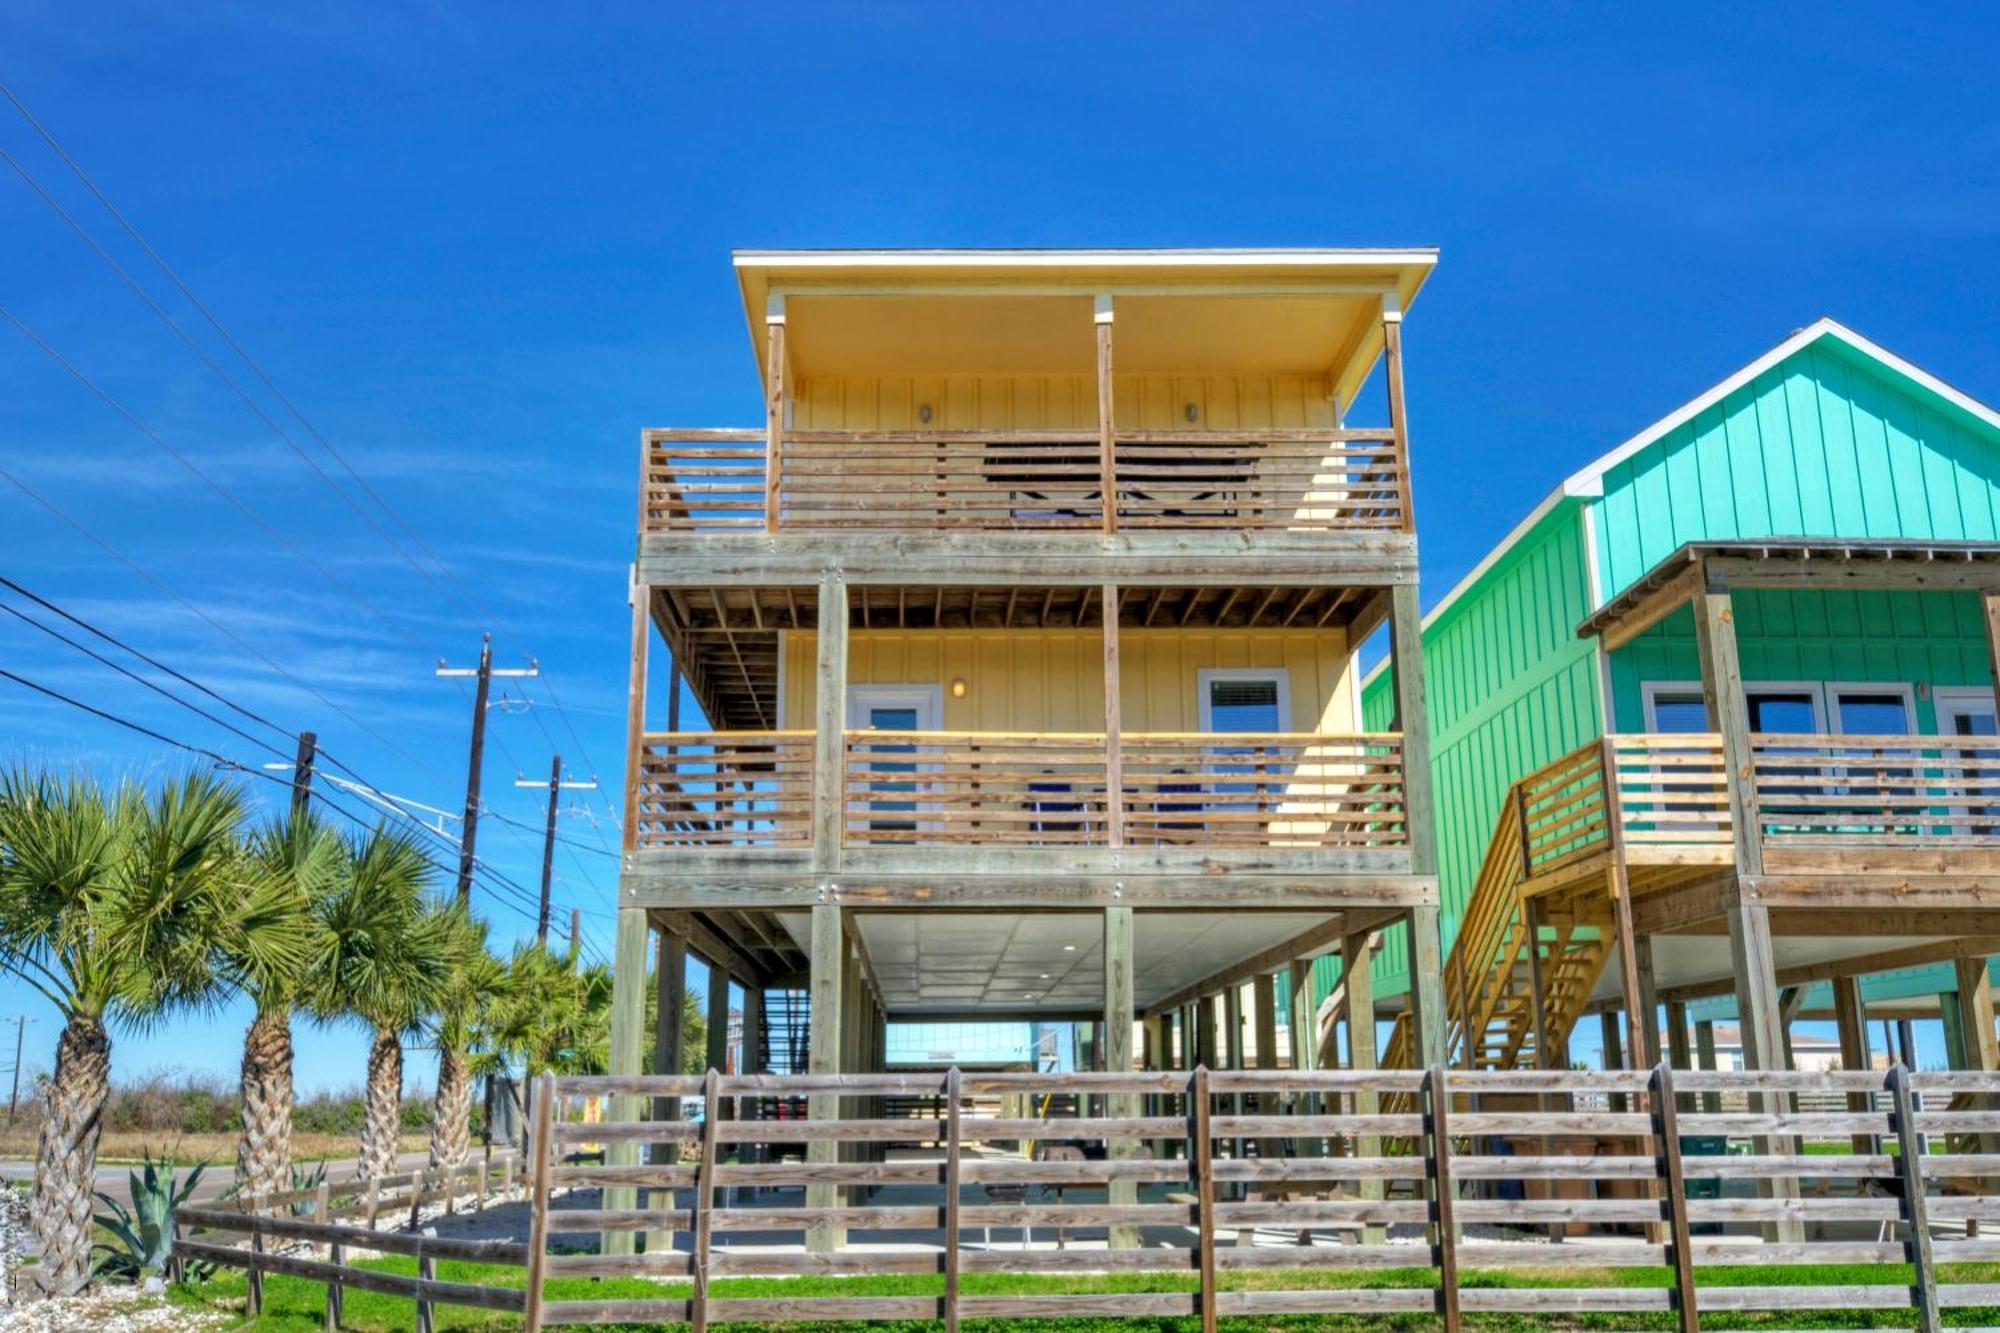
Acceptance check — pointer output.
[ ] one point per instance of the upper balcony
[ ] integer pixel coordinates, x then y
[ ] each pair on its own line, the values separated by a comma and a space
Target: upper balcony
1136, 414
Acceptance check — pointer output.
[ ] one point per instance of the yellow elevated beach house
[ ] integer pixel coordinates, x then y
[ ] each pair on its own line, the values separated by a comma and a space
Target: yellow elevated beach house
1025, 629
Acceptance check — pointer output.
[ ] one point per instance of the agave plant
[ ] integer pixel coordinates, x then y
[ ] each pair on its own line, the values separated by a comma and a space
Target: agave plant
145, 1231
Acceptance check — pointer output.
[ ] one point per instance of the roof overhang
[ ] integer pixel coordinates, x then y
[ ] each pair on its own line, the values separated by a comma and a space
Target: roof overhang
1030, 312
1801, 562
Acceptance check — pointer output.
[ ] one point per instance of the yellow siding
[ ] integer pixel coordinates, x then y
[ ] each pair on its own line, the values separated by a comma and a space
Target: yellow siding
1052, 680
1060, 402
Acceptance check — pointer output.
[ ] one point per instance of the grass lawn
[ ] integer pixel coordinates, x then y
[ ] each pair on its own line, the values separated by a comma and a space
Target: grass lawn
295, 1305
127, 1147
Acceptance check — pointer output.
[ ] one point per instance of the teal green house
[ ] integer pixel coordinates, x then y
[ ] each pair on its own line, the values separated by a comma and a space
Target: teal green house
1826, 436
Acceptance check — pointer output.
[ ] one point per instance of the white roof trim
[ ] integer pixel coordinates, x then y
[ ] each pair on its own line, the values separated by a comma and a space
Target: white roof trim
1204, 258
1588, 481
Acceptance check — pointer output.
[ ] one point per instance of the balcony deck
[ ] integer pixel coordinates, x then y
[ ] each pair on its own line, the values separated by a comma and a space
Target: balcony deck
1906, 820
720, 506
1293, 812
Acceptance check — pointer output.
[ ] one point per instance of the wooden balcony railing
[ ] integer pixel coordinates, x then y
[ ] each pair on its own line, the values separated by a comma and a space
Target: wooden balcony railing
973, 788
1909, 792
726, 789
1665, 789
1295, 480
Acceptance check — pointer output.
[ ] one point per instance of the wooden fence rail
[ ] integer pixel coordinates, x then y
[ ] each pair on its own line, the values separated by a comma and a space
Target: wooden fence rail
1292, 1176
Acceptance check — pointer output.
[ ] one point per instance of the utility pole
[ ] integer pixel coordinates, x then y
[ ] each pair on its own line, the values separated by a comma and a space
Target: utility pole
556, 787
484, 674
20, 1038
575, 935
302, 771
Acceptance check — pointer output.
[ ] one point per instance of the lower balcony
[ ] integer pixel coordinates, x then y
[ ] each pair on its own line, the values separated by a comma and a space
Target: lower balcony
931, 808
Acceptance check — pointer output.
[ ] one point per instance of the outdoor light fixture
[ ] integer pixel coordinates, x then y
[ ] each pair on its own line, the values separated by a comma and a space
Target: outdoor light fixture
924, 412
1191, 412
958, 687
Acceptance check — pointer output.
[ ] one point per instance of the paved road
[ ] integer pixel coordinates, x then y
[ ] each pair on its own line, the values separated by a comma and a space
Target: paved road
219, 1177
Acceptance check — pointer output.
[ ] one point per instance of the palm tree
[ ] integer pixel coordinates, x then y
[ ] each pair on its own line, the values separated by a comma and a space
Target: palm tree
385, 963
113, 907
296, 862
553, 1015
456, 1025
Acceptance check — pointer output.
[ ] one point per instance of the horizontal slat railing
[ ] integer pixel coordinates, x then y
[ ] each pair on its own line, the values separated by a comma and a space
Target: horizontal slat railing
1273, 478
1215, 1175
1911, 792
701, 480
1195, 789
725, 789
1296, 479
1672, 788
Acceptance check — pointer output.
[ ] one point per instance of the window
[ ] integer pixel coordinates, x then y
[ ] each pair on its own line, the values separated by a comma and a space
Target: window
1254, 699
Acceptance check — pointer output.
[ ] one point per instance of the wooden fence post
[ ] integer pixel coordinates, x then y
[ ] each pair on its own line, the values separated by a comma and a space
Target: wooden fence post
953, 1141
426, 1272
704, 1193
1437, 1101
1910, 1165
540, 1133
1201, 1153
336, 1254
253, 1300
1667, 1160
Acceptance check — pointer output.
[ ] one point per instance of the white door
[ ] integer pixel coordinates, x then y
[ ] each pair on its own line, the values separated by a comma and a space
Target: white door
893, 799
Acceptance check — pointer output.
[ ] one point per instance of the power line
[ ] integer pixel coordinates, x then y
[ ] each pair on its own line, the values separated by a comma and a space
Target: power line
242, 353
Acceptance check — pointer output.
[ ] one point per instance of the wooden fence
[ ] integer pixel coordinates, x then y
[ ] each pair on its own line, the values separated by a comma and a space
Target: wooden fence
1210, 1177
335, 1222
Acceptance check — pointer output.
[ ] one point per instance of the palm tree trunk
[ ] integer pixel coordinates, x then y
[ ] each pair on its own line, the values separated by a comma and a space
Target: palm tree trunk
264, 1150
381, 1130
66, 1157
451, 1111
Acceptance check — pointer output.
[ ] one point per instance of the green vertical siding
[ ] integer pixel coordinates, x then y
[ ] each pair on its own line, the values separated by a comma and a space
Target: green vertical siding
1850, 636
1509, 687
1826, 444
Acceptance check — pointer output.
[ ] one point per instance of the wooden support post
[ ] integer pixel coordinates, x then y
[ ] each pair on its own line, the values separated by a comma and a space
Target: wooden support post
333, 1312
1437, 1160
1634, 955
427, 1271
1916, 1216
628, 1039
1704, 1054
1392, 366
1118, 1018
1762, 1029
1850, 1017
1107, 434
1981, 1047
1989, 603
774, 409
1357, 979
253, 1276
1201, 1151
1114, 744
1729, 714
635, 712
669, 1026
704, 1195
1612, 1055
718, 1017
1264, 1005
1206, 1050
1679, 1056
1232, 1056
1426, 982
1673, 1184
541, 1133
830, 722
953, 1174
829, 966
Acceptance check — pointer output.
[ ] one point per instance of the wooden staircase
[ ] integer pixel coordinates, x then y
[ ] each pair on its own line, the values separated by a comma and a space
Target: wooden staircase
1550, 821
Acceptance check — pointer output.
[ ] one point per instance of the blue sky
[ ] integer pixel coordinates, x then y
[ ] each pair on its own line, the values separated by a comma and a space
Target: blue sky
480, 247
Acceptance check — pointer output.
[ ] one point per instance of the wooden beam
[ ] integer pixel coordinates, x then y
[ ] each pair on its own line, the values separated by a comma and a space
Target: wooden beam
830, 727
1850, 1016
1989, 604
1301, 1019
1762, 1030
1653, 607
1860, 965
1114, 745
1107, 436
774, 409
1135, 558
1392, 365
1975, 1008
718, 1017
1357, 979
628, 1035
1729, 714
669, 999
635, 712
1118, 1020
824, 1030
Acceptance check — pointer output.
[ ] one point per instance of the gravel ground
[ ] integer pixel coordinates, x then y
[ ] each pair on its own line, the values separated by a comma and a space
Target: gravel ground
107, 1310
